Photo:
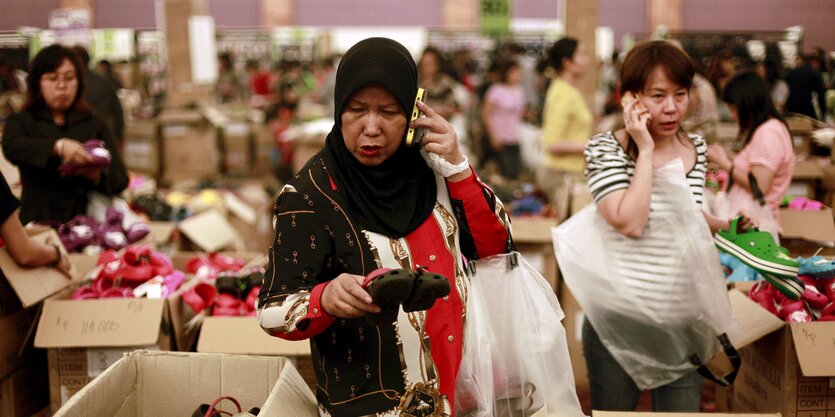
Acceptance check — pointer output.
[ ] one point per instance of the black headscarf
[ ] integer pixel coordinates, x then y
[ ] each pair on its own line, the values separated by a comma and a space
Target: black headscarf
398, 195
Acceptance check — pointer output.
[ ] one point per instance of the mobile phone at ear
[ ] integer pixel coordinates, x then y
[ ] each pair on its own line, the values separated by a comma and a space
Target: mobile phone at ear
414, 136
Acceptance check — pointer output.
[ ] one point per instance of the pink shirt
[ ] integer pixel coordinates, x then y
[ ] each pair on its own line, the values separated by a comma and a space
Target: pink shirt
770, 147
508, 105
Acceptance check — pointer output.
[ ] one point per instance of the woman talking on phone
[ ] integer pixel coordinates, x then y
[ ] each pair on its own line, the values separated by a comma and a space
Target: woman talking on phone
620, 167
367, 201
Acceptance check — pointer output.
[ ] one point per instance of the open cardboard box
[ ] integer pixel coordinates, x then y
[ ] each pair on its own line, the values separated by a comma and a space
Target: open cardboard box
181, 315
208, 231
804, 232
174, 384
85, 337
35, 284
243, 335
786, 368
595, 413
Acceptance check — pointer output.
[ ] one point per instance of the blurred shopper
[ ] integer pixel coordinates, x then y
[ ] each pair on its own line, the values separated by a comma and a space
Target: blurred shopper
566, 124
51, 130
100, 93
703, 115
502, 112
228, 87
620, 169
767, 150
806, 90
105, 69
367, 201
439, 86
8, 80
771, 70
325, 81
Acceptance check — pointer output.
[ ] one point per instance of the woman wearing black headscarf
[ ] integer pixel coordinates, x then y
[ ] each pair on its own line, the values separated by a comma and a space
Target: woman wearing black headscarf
368, 201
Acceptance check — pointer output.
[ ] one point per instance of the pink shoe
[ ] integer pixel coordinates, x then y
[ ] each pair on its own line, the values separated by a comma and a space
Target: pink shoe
811, 294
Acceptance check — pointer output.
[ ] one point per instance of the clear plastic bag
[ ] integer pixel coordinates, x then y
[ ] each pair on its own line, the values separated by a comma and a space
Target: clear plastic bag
515, 361
737, 201
658, 302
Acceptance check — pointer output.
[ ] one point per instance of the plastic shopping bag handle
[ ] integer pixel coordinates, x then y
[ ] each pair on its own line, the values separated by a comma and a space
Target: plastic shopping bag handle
756, 192
733, 356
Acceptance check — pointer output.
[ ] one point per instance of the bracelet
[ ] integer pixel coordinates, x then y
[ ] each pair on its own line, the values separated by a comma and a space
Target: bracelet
57, 260
443, 167
59, 148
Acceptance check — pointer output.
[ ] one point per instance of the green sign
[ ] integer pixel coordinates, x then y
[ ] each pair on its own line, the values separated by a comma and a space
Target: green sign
495, 17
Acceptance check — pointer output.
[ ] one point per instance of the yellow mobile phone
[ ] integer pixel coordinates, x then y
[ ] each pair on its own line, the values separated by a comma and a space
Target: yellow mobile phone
413, 136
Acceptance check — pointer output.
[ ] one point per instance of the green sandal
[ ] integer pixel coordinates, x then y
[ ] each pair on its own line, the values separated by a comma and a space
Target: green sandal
758, 250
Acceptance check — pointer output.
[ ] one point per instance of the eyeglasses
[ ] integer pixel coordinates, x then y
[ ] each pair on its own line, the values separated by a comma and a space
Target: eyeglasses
55, 79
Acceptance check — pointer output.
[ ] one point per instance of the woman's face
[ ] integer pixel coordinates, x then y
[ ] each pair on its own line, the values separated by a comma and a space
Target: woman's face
429, 65
514, 75
59, 87
373, 124
579, 62
667, 104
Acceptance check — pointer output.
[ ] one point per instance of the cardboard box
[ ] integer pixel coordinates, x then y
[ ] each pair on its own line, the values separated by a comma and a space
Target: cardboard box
84, 337
184, 325
596, 413
250, 211
789, 371
209, 231
142, 147
805, 232
786, 368
15, 333
532, 236
243, 335
807, 174
189, 147
34, 284
169, 384
237, 148
25, 391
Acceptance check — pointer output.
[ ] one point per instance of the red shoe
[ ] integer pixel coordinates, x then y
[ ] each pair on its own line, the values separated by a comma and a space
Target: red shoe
200, 297
229, 306
135, 254
161, 264
829, 310
827, 318
252, 298
795, 312
86, 292
765, 299
829, 288
226, 263
811, 294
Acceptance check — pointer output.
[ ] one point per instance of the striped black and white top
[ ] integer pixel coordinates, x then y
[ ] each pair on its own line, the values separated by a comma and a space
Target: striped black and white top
609, 168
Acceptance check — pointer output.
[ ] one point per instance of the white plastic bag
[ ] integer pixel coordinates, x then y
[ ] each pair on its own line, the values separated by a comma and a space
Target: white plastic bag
658, 302
737, 201
98, 203
515, 361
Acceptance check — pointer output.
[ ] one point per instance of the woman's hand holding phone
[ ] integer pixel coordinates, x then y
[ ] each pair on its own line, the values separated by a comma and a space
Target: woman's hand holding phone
636, 117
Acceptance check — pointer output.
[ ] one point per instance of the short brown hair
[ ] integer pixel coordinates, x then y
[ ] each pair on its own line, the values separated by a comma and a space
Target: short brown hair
642, 60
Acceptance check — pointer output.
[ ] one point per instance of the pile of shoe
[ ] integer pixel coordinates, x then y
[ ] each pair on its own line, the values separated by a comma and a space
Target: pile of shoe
156, 209
212, 410
207, 267
802, 203
230, 294
758, 250
99, 157
83, 234
816, 304
136, 272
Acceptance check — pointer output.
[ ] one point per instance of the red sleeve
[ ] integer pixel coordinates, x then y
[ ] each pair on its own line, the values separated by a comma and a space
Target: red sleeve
483, 216
316, 320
